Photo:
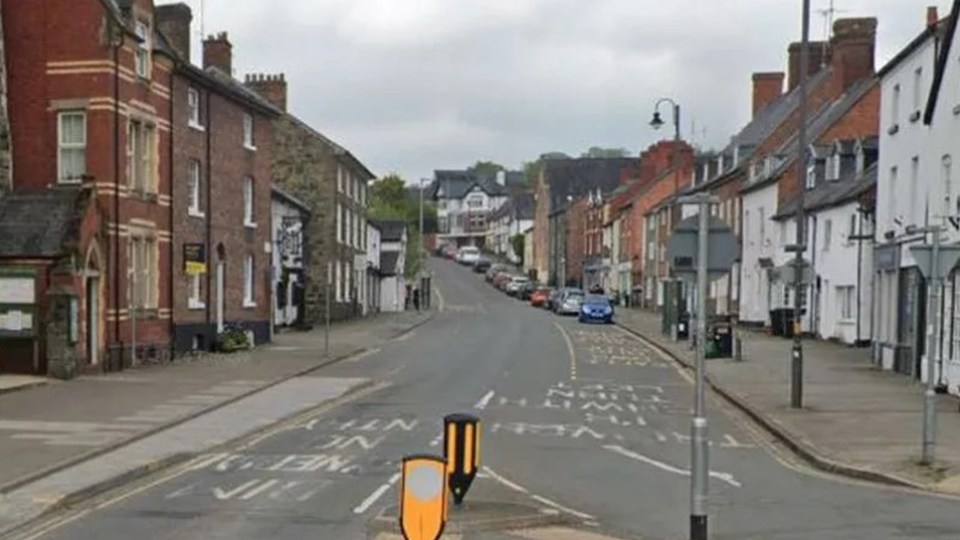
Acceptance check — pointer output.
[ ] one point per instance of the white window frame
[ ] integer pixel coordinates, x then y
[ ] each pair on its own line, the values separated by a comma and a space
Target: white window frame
811, 175
142, 156
143, 60
142, 275
249, 203
249, 282
891, 196
338, 213
73, 146
195, 298
833, 167
194, 116
194, 185
847, 302
249, 140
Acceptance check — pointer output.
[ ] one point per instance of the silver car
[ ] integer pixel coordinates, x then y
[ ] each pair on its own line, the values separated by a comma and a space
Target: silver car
570, 302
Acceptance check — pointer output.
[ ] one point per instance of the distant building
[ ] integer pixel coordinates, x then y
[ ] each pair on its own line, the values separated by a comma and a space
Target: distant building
513, 218
393, 250
465, 202
373, 302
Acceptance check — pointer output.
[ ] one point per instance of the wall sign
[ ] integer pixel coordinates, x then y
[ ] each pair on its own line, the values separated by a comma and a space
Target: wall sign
194, 259
17, 290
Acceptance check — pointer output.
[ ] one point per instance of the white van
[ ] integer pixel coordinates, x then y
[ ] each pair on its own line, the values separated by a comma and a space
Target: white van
468, 255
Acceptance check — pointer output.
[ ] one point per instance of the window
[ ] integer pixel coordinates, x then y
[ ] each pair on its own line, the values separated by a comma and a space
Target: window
193, 185
475, 201
195, 301
72, 146
248, 140
340, 178
891, 195
142, 271
746, 225
343, 228
143, 48
811, 176
917, 92
193, 108
783, 233
249, 215
833, 167
895, 107
763, 225
947, 173
338, 214
141, 156
249, 299
914, 184
827, 234
852, 231
847, 300
349, 231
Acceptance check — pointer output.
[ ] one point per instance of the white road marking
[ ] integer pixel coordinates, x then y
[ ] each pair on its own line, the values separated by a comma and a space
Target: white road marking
258, 490
570, 349
404, 337
489, 472
224, 495
725, 477
484, 401
436, 440
375, 496
560, 507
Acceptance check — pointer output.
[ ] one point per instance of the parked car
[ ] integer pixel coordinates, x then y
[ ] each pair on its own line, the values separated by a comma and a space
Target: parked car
450, 252
468, 255
501, 279
553, 300
596, 308
482, 265
540, 296
569, 303
495, 269
526, 290
515, 284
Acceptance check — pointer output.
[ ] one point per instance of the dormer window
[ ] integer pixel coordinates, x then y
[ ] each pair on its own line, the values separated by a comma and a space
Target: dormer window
143, 49
811, 176
833, 167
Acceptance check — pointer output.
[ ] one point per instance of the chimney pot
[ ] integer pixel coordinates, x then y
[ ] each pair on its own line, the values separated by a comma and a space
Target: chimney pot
271, 87
853, 47
933, 16
818, 52
173, 21
218, 53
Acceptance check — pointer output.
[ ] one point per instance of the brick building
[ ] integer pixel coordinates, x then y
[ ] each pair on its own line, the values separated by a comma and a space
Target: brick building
222, 163
333, 184
90, 108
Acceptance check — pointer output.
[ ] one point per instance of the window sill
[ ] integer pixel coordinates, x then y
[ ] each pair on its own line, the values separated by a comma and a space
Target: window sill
196, 213
197, 127
846, 322
194, 305
249, 225
249, 305
144, 195
250, 148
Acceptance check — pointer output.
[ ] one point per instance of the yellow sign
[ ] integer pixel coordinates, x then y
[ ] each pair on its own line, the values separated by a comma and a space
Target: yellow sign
194, 259
196, 269
423, 497
462, 445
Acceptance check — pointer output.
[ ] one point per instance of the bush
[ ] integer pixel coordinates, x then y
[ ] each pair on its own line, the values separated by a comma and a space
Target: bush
232, 339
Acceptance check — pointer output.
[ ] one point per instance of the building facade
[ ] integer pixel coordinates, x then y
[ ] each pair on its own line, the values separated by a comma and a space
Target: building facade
290, 218
393, 252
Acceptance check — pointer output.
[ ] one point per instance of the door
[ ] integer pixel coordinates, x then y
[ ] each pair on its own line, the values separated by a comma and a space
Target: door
93, 320
220, 299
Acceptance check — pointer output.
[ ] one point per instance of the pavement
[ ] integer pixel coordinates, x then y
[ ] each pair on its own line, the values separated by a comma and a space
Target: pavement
16, 383
857, 419
49, 426
586, 423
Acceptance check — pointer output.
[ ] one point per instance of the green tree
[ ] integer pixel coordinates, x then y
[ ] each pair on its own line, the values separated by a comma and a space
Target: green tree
487, 169
518, 242
554, 155
390, 199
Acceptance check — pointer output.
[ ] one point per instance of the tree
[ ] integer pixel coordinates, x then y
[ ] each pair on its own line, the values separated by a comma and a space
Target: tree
531, 172
598, 152
518, 243
486, 169
390, 199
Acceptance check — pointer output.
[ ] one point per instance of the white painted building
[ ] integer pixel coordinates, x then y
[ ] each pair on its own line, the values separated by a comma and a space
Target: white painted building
513, 218
910, 162
393, 249
289, 216
372, 301
464, 205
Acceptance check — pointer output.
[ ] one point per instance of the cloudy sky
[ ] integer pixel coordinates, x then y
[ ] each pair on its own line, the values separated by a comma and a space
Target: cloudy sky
414, 85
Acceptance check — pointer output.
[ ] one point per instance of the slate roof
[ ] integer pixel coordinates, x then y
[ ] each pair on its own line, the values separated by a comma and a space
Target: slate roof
817, 125
391, 230
577, 177
388, 263
832, 193
456, 184
39, 224
943, 62
520, 206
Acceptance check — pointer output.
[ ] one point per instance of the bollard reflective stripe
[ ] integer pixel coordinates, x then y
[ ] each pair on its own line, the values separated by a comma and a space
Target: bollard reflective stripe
451, 448
468, 442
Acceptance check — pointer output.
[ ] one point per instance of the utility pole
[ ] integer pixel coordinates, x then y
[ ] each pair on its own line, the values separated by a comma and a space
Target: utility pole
930, 393
699, 448
796, 361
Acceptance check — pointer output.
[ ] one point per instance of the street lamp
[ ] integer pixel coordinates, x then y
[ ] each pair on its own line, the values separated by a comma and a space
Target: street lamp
658, 123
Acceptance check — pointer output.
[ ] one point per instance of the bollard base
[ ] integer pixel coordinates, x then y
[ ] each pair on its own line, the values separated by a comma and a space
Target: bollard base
698, 527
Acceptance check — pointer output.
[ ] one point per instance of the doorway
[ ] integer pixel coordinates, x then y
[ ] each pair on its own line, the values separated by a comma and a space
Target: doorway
93, 320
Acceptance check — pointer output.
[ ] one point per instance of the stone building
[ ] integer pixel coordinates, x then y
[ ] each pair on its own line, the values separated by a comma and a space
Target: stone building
332, 183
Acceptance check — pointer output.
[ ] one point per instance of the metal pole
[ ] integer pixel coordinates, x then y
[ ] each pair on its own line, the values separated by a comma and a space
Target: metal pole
326, 294
796, 362
421, 254
929, 395
699, 473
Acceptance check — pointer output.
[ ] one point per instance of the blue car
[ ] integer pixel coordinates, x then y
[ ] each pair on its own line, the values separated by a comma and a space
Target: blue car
596, 308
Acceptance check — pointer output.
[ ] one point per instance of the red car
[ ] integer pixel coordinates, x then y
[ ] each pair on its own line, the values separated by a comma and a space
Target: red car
540, 296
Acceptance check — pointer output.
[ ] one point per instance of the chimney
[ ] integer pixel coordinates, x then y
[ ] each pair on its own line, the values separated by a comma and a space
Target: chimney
218, 53
273, 88
852, 47
933, 17
818, 59
173, 21
767, 87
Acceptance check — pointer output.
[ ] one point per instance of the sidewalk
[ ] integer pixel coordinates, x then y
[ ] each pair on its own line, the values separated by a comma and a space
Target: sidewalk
857, 420
48, 428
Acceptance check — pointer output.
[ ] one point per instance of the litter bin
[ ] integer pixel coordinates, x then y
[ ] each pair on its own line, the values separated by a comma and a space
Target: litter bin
720, 343
781, 322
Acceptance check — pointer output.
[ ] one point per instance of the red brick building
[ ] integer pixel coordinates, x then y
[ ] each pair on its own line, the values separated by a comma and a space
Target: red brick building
90, 109
222, 174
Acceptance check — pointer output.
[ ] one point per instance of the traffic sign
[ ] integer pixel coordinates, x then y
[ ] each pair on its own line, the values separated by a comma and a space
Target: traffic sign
682, 247
788, 272
423, 497
948, 258
461, 438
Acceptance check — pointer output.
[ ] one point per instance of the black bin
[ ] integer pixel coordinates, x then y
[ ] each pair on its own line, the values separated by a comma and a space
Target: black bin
720, 343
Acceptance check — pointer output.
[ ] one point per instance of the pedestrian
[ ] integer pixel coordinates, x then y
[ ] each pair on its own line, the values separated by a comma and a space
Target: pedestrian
416, 298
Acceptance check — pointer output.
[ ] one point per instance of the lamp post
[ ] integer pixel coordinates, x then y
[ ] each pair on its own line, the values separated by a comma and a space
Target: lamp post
657, 123
796, 356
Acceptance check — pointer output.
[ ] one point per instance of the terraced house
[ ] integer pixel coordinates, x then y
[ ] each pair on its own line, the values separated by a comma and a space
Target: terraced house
90, 114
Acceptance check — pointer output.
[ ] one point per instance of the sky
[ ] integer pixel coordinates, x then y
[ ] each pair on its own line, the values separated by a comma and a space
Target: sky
410, 86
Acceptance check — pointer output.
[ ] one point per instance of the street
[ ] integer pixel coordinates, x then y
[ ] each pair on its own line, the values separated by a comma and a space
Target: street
586, 420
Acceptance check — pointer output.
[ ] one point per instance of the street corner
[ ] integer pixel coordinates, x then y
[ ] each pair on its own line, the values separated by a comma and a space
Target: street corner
493, 505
